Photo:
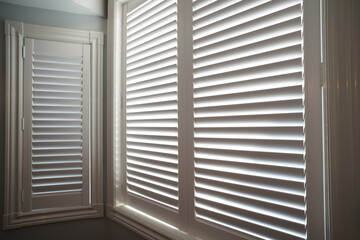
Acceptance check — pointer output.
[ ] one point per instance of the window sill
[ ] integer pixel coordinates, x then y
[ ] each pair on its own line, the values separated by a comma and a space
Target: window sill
144, 225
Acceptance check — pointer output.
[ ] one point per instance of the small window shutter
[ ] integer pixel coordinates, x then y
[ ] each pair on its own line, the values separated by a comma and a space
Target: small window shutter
56, 124
151, 110
249, 120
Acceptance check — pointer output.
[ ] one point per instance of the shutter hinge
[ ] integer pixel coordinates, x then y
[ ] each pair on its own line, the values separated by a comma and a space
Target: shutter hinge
22, 195
23, 51
321, 74
23, 124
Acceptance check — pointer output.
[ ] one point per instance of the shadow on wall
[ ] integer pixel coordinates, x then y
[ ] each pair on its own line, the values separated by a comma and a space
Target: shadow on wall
2, 118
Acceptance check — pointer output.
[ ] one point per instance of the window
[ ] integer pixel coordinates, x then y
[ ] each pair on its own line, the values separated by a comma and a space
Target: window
56, 124
53, 124
151, 109
218, 119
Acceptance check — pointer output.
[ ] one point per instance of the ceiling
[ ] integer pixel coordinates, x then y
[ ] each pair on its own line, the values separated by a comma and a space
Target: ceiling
87, 7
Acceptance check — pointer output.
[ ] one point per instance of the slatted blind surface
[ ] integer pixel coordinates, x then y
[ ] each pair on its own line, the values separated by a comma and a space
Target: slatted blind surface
59, 124
249, 117
151, 104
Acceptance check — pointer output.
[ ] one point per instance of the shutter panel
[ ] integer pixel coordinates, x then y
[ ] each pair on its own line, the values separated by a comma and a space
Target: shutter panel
56, 124
249, 119
151, 110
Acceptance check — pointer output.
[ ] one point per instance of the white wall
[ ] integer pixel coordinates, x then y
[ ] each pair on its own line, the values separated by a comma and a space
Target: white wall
343, 75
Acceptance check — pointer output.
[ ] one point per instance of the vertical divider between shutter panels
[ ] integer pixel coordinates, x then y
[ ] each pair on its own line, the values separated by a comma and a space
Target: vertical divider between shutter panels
313, 121
185, 105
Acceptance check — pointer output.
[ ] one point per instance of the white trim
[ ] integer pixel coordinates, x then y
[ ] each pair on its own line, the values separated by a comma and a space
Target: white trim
326, 146
17, 219
121, 73
15, 34
313, 120
115, 180
186, 118
110, 74
151, 230
12, 199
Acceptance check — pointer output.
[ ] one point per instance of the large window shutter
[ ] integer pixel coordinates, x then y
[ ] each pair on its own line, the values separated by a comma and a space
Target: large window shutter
56, 124
250, 171
151, 110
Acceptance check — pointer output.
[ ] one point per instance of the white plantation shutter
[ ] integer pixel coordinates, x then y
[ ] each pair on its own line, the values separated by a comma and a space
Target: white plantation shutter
151, 110
215, 119
56, 124
249, 120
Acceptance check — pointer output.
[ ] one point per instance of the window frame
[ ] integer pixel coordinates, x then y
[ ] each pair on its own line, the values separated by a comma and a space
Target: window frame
154, 229
16, 32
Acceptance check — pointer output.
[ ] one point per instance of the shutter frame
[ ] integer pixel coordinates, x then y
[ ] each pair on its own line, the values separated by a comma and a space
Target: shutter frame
46, 92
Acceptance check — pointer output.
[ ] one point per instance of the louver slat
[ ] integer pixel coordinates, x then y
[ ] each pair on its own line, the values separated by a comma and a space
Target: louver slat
59, 123
249, 118
151, 109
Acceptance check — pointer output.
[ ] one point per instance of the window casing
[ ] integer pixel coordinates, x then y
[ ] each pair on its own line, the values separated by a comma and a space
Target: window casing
291, 97
22, 152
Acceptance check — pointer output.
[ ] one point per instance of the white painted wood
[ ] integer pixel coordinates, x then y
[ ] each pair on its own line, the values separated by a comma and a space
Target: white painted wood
110, 92
86, 165
152, 184
13, 109
314, 122
56, 105
315, 198
248, 121
15, 215
120, 86
115, 180
186, 118
146, 225
28, 76
115, 93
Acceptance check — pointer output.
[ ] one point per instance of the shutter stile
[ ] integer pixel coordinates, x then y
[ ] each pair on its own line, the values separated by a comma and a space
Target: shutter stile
249, 117
151, 107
